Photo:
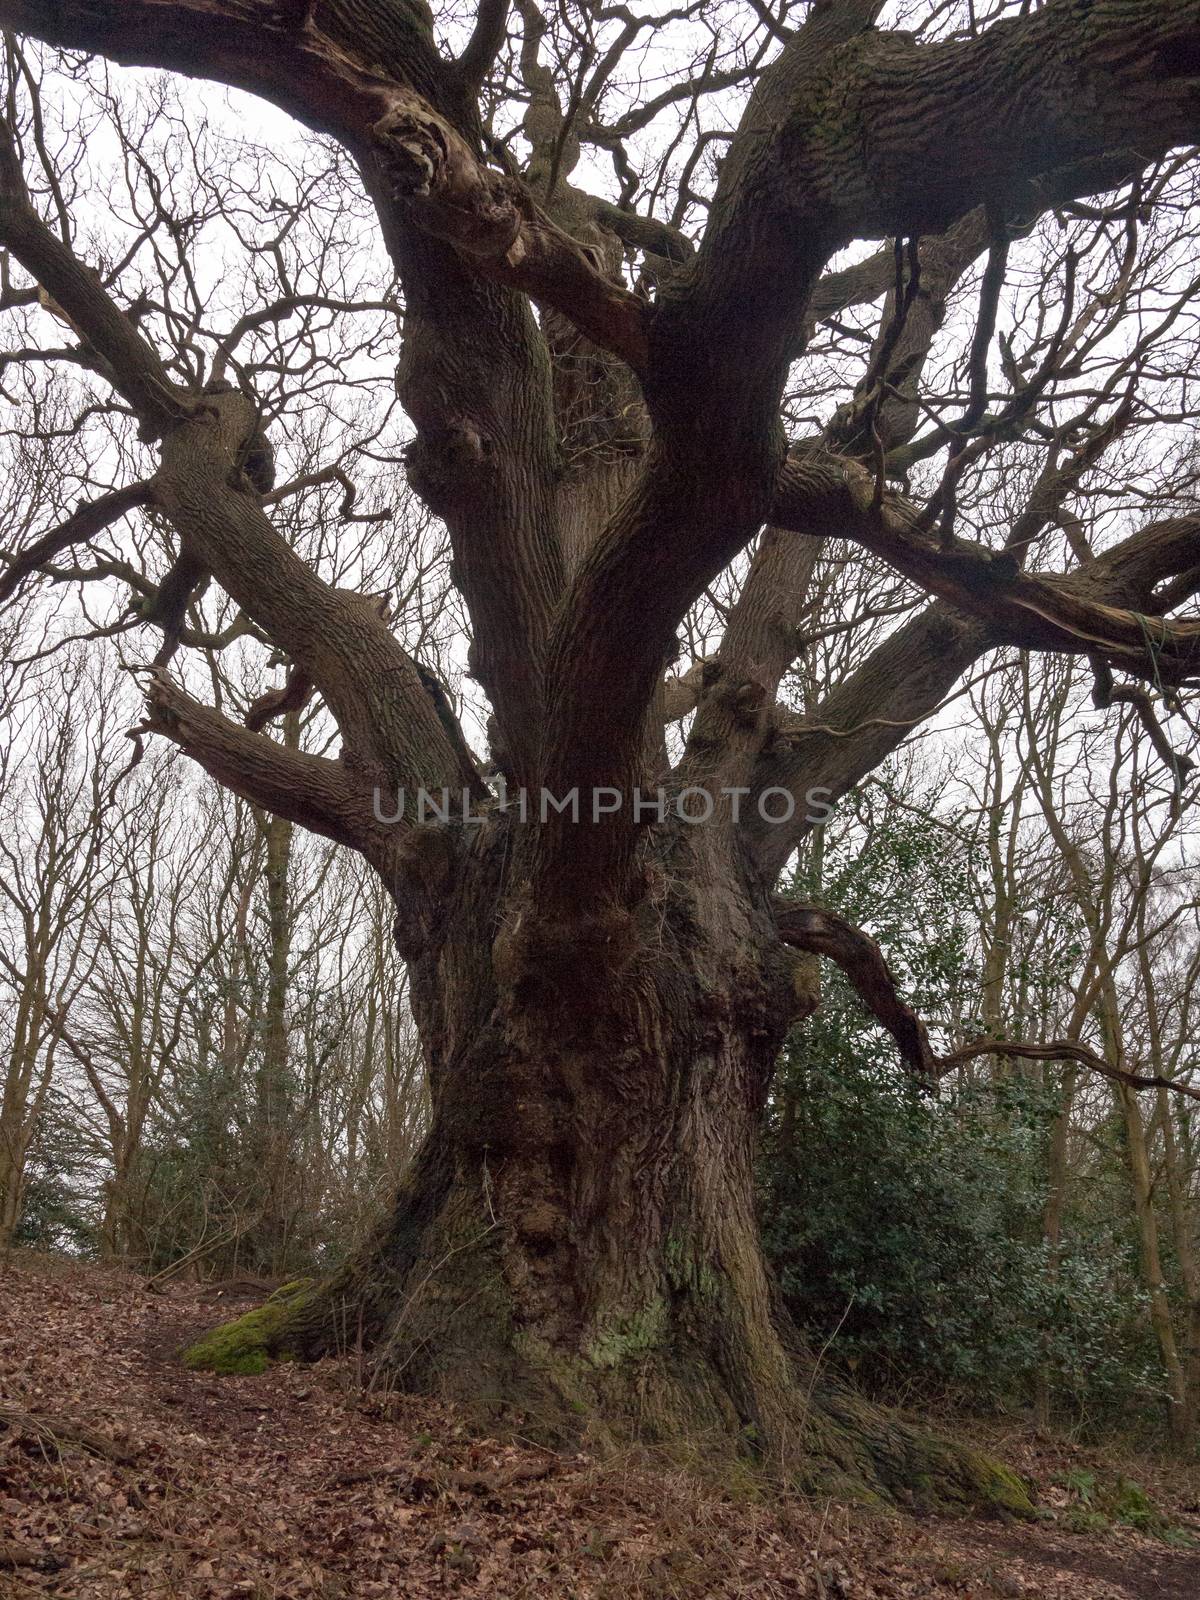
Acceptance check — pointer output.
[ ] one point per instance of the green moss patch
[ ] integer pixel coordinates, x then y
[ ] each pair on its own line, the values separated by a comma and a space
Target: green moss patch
1099, 1502
634, 1337
249, 1344
1003, 1491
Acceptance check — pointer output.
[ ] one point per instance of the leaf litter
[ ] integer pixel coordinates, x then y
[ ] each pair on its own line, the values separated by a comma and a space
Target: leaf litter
122, 1475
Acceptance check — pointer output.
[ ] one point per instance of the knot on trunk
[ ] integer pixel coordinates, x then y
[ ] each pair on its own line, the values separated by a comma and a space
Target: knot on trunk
424, 861
416, 151
426, 161
743, 699
806, 983
441, 462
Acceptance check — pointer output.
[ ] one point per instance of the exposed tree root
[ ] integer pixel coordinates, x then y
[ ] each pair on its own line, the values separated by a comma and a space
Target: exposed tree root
823, 1437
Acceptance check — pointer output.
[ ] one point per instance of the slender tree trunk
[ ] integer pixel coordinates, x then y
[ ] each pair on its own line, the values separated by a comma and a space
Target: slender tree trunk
22, 1095
113, 1223
12, 1183
1052, 1220
1137, 1155
1182, 1225
274, 1100
1152, 1268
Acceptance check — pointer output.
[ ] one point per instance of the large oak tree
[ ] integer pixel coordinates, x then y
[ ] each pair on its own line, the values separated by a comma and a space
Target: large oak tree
597, 391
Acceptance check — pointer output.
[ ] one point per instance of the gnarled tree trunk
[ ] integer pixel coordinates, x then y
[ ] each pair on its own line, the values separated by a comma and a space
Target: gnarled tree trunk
597, 1084
575, 1250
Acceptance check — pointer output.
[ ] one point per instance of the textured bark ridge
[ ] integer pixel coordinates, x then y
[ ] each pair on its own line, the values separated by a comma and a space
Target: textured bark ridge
575, 1253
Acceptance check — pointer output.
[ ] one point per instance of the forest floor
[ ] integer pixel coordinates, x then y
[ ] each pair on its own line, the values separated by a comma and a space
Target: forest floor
123, 1475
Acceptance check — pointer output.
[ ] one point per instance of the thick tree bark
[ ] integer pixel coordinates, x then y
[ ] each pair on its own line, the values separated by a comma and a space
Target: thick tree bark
574, 1251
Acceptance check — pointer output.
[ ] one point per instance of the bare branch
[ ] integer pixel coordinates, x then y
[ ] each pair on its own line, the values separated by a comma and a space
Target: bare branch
306, 789
400, 126
314, 480
485, 42
130, 364
1104, 695
825, 934
87, 520
1079, 613
820, 757
1064, 1050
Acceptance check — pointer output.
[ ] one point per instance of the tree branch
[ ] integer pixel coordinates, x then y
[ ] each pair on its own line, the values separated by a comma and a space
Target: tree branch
399, 111
825, 934
1104, 695
474, 376
818, 758
1038, 611
485, 43
495, 222
87, 520
308, 790
130, 364
1063, 1050
857, 133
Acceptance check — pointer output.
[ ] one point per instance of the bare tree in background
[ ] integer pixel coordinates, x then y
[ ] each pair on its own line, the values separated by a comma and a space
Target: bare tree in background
52, 878
601, 1002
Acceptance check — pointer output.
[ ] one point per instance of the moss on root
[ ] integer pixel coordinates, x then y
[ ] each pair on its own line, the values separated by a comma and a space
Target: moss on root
857, 1446
962, 1480
843, 1445
249, 1344
649, 1377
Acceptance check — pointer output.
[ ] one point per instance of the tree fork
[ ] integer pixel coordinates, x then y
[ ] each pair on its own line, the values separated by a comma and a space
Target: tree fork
575, 1245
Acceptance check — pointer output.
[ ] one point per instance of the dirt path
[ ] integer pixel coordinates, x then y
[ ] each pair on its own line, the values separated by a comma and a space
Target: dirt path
1142, 1571
121, 1475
